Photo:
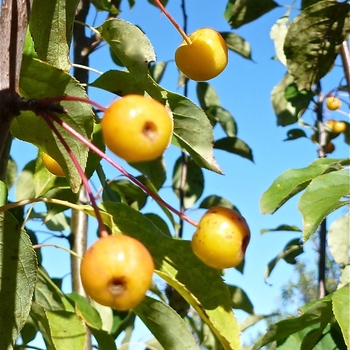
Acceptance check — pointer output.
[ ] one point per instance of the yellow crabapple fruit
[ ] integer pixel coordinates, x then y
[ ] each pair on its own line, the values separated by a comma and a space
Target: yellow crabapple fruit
117, 271
51, 165
137, 128
221, 238
205, 58
333, 103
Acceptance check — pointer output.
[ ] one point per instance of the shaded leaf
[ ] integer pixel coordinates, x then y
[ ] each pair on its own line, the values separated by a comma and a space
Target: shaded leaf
159, 222
130, 44
292, 249
91, 317
236, 146
18, 270
157, 71
319, 312
40, 80
165, 324
281, 228
237, 44
288, 108
240, 299
217, 114
51, 26
25, 183
11, 173
294, 134
251, 320
207, 95
193, 186
214, 200
110, 6
322, 196
313, 41
239, 12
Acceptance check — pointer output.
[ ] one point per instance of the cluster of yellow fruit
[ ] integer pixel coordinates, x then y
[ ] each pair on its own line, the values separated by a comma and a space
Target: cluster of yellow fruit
333, 127
117, 270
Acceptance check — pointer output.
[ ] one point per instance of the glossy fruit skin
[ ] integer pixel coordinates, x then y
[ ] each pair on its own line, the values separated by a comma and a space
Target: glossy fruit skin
205, 58
221, 238
51, 165
117, 271
339, 127
333, 103
137, 128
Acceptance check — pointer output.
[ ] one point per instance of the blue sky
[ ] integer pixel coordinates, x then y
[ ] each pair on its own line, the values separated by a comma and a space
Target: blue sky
244, 89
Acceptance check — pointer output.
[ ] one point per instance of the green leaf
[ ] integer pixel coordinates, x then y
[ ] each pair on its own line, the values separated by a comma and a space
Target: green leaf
118, 82
338, 239
240, 299
110, 6
157, 71
130, 44
11, 173
66, 330
288, 108
51, 25
322, 196
290, 183
341, 307
159, 222
18, 270
237, 44
236, 146
292, 249
239, 12
131, 194
165, 324
48, 295
200, 285
313, 41
281, 228
40, 80
153, 170
193, 131
193, 186
214, 200
207, 95
92, 319
294, 134
319, 312
251, 320
25, 183
217, 114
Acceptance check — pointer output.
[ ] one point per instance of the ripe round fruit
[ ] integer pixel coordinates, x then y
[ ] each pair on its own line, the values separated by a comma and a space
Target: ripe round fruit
117, 271
339, 127
51, 165
205, 58
221, 238
333, 103
329, 148
137, 128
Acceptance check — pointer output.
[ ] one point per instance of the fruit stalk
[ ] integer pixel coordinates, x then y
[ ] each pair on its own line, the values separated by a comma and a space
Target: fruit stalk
48, 119
173, 21
120, 169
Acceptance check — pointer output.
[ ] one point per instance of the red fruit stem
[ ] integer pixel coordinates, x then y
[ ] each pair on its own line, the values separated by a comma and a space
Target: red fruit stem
173, 21
48, 119
48, 101
100, 153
